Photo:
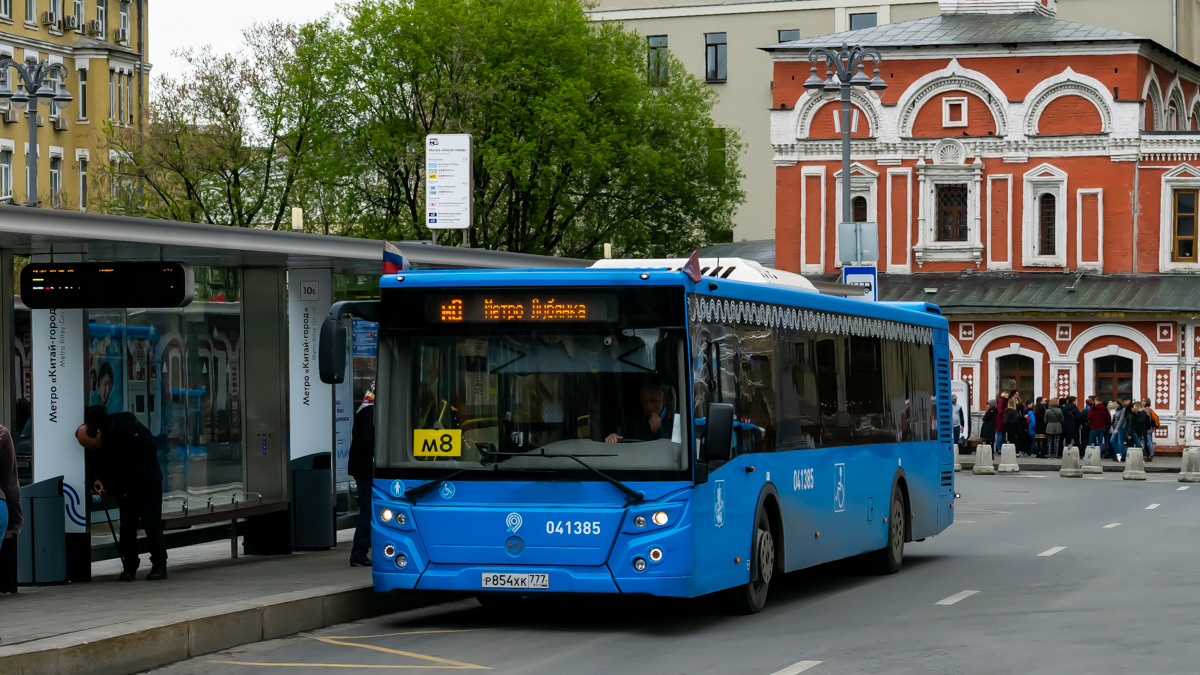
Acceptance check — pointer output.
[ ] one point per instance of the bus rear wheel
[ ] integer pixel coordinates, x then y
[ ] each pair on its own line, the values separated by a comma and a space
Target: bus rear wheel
750, 598
890, 558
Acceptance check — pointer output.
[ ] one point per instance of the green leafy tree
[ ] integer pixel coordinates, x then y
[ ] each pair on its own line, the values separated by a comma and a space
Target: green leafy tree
575, 146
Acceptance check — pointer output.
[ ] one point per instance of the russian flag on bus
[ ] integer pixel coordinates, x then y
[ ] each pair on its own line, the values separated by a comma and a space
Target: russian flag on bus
393, 261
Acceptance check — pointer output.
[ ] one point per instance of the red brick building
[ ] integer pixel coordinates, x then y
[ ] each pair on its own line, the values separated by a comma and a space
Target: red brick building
1036, 178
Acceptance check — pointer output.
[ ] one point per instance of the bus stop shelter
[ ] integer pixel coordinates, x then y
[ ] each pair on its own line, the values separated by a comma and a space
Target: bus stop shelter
227, 384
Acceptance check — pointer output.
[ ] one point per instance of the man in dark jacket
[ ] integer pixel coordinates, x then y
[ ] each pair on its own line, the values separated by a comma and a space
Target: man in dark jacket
1070, 423
127, 463
361, 466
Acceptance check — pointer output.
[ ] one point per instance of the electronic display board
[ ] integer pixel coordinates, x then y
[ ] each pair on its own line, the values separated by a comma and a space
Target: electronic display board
529, 307
90, 285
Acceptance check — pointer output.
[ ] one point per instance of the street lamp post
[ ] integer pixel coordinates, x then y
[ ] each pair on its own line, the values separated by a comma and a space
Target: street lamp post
847, 65
34, 77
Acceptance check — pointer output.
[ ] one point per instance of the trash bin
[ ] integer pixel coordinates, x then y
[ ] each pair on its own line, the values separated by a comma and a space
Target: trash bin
42, 543
312, 502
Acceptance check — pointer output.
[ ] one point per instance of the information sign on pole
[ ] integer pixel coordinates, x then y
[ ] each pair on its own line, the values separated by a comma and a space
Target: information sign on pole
867, 276
448, 181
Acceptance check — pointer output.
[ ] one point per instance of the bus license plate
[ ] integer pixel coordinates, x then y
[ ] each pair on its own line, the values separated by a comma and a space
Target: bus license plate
516, 580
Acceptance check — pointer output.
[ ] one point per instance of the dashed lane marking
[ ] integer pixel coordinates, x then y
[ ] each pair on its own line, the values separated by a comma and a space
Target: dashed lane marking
798, 667
1051, 551
1152, 507
1094, 477
1111, 526
1182, 488
957, 597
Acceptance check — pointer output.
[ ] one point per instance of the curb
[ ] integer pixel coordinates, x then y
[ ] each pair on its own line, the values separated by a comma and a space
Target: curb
136, 646
967, 466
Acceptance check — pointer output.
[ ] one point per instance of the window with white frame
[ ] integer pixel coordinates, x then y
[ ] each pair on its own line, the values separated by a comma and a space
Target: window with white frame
954, 112
53, 79
83, 183
1172, 118
102, 16
949, 206
6, 9
82, 78
125, 16
31, 12
1183, 235
56, 181
1044, 222
6, 173
78, 13
120, 97
112, 95
129, 99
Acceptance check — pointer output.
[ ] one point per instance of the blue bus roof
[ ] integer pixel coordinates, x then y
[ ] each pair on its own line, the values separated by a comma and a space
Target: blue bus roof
919, 313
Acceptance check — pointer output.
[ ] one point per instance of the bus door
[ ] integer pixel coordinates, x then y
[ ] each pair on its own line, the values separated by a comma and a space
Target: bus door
945, 435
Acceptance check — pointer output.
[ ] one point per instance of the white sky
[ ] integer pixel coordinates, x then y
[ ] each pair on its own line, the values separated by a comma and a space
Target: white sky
175, 24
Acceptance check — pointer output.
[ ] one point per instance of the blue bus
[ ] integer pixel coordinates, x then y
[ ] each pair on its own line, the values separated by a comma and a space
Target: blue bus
622, 429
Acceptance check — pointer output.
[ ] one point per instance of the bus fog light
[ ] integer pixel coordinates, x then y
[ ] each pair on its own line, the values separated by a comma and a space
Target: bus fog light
389, 551
660, 518
401, 560
656, 554
386, 514
401, 518
640, 521
639, 564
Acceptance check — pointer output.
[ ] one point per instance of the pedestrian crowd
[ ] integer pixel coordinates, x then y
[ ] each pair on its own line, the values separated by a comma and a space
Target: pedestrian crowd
1047, 426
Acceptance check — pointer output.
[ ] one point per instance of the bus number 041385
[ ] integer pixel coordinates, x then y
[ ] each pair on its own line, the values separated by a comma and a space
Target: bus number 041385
572, 527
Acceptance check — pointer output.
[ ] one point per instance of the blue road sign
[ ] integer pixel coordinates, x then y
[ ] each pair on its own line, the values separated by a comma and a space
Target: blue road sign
863, 276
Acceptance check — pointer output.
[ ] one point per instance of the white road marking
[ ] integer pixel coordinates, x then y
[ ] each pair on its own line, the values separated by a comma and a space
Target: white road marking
1111, 526
1094, 477
1152, 507
1182, 488
962, 595
1051, 551
797, 668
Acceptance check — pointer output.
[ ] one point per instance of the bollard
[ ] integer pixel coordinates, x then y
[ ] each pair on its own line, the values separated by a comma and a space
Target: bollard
1008, 459
1135, 466
983, 461
957, 459
1091, 460
1070, 463
1189, 470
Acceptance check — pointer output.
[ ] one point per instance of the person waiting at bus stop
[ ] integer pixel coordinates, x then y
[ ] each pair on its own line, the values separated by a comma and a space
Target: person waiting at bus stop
659, 419
361, 466
127, 465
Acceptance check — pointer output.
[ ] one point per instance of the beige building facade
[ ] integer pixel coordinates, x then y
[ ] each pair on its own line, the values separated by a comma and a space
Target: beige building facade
102, 44
696, 30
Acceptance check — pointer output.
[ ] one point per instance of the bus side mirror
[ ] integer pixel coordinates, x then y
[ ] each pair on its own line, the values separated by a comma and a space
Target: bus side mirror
718, 433
331, 351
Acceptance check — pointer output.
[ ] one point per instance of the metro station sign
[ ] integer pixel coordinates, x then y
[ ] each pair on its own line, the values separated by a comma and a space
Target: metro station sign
111, 285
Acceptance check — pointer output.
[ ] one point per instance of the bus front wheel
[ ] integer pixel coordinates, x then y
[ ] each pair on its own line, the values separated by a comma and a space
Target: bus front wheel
751, 597
890, 558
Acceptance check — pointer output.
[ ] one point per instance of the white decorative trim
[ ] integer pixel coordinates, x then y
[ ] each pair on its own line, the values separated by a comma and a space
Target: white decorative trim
1164, 332
1153, 97
1174, 96
82, 62
6, 50
1181, 177
992, 263
83, 153
1111, 330
1037, 184
954, 77
906, 268
966, 332
1042, 7
56, 151
1098, 264
1089, 368
1062, 332
1067, 83
805, 173
7, 144
928, 248
948, 121
866, 186
1010, 330
711, 309
813, 102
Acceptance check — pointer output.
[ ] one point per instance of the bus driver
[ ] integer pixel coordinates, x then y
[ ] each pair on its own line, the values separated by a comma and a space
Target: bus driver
659, 419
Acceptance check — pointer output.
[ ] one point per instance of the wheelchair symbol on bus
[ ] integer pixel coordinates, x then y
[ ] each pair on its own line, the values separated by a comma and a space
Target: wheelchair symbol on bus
447, 490
839, 494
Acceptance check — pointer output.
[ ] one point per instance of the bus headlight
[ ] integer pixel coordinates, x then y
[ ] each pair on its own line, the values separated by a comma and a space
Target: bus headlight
640, 521
386, 514
660, 518
401, 560
656, 554
401, 518
639, 564
389, 551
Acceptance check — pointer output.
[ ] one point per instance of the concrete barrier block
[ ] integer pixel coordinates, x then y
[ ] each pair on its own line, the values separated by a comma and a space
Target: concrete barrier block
1091, 460
1135, 465
957, 459
983, 461
289, 618
130, 652
214, 633
1070, 463
1189, 468
1008, 459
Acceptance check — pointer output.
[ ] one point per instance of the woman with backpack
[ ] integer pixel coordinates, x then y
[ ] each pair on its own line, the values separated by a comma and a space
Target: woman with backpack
1055, 418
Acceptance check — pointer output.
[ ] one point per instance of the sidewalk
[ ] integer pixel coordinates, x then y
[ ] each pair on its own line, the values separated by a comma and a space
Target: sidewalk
210, 602
1159, 465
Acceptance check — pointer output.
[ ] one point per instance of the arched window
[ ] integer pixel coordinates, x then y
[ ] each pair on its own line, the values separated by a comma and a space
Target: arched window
1047, 213
1016, 372
859, 207
1172, 118
1114, 378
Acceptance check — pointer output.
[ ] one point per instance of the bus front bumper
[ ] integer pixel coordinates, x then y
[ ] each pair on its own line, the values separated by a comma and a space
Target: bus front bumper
469, 578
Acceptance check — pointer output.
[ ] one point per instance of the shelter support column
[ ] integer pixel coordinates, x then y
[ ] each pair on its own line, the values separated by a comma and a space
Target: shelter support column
8, 383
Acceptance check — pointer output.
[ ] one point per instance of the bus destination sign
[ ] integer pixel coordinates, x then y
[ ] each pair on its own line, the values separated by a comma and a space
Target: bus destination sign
90, 285
508, 308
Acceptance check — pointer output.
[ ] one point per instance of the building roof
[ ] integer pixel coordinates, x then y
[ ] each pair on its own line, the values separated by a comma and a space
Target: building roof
966, 29
1011, 293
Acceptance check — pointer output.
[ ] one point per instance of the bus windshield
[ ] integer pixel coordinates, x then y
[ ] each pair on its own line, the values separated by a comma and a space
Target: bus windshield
507, 400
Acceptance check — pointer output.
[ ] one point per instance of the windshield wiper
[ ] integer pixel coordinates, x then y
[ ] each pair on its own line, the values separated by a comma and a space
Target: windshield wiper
411, 494
631, 496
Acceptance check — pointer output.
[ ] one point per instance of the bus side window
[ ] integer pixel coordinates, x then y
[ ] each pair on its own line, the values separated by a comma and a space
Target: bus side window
756, 386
